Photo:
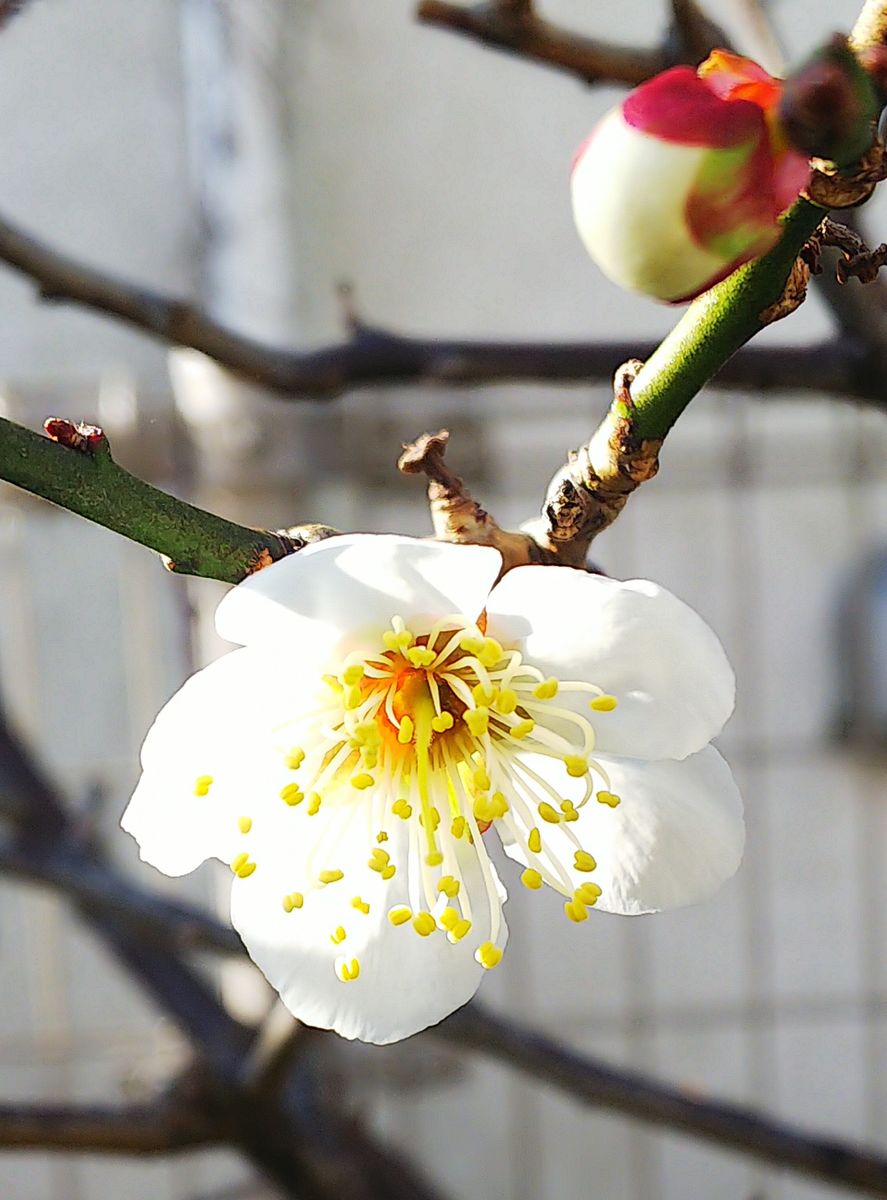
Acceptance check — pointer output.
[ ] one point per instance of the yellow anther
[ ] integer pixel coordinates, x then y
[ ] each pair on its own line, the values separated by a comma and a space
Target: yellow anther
314, 803
457, 829
442, 723
333, 684
603, 703
371, 758
366, 733
292, 794
588, 893
583, 861
244, 824
421, 656
424, 924
353, 697
472, 645
405, 733
531, 879
246, 870
546, 690
483, 695
506, 701
330, 876
388, 873
397, 640
500, 804
402, 809
448, 919
550, 814
352, 675
576, 910
482, 808
295, 758
360, 905
348, 971
400, 915
477, 720
491, 652
434, 816
608, 798
459, 930
362, 781
202, 784
338, 935
568, 808
381, 836
293, 900
481, 779
238, 861
379, 860
522, 729
434, 859
576, 764
449, 886
534, 841
488, 955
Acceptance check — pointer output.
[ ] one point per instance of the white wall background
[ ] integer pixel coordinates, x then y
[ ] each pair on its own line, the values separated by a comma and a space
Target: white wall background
432, 174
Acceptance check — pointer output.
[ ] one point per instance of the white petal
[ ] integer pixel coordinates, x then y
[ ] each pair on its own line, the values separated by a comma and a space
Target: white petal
634, 640
221, 724
675, 838
406, 982
638, 234
332, 596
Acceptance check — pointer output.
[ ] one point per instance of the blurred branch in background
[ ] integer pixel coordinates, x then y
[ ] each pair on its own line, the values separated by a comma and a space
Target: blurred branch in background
519, 29
159, 1128
259, 1110
372, 356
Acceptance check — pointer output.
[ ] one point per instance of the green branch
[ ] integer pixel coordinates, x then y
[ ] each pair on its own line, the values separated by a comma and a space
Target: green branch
714, 327
76, 472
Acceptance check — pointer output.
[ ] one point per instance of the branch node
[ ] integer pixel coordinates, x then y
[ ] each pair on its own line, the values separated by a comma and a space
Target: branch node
88, 439
831, 187
857, 260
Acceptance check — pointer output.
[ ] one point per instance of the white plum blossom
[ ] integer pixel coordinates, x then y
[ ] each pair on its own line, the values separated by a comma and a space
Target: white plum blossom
392, 706
687, 178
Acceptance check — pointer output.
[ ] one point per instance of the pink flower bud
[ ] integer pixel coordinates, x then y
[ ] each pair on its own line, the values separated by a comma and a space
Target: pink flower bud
686, 180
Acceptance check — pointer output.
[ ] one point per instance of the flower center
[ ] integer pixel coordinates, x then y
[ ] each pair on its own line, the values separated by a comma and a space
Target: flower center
435, 730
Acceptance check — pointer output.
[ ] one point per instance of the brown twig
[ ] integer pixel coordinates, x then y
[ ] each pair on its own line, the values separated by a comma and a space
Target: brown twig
161, 1128
373, 356
520, 31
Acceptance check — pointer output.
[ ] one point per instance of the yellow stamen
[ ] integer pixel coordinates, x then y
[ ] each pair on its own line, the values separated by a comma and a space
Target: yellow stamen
424, 924
382, 836
522, 729
459, 930
547, 690
353, 697
401, 809
609, 799
362, 781
292, 901
338, 935
352, 675
506, 701
405, 733
576, 764
421, 656
483, 695
202, 784
477, 720
588, 893
330, 876
550, 814
314, 804
400, 915
449, 886
534, 841
295, 758
603, 703
576, 910
568, 808
442, 723
434, 859
490, 652
583, 861
488, 955
360, 905
457, 829
244, 824
531, 879
448, 919
348, 971
292, 794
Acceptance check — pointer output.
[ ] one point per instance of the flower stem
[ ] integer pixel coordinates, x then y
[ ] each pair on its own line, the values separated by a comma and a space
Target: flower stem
87, 481
714, 327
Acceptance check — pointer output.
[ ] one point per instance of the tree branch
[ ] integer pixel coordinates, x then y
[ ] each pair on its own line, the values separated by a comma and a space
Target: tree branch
524, 34
160, 1128
75, 470
727, 1125
374, 356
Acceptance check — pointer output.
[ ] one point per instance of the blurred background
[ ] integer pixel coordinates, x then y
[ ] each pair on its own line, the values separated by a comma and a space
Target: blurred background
255, 154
